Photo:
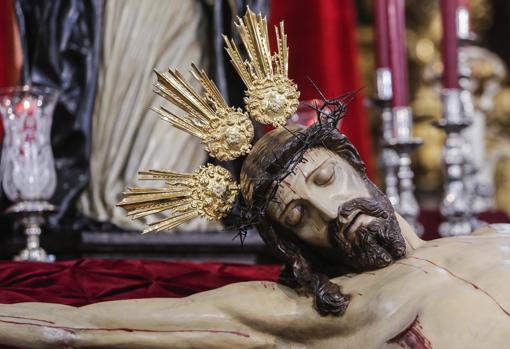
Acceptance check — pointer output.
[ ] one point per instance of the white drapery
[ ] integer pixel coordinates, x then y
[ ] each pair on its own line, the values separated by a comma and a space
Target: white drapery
138, 37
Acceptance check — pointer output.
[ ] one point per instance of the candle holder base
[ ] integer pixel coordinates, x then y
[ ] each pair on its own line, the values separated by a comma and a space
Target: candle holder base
407, 146
452, 127
34, 255
31, 216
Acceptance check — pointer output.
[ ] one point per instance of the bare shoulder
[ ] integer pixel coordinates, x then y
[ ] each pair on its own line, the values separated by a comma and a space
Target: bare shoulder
499, 228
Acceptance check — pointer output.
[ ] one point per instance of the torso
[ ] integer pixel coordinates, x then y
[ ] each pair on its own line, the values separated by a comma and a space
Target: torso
449, 293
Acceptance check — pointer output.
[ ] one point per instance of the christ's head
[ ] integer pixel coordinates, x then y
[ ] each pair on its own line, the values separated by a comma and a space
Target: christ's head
323, 216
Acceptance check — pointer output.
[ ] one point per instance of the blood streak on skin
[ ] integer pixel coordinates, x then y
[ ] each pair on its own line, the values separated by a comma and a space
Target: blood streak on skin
85, 329
270, 285
412, 337
25, 318
476, 287
412, 266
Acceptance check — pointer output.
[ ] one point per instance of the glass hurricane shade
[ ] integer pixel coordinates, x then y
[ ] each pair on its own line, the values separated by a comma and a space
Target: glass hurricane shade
27, 165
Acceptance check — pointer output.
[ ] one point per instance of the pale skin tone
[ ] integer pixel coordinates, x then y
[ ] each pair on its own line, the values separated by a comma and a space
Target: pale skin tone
310, 199
456, 289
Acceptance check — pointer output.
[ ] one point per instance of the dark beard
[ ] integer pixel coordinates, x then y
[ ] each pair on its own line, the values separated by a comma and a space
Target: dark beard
374, 245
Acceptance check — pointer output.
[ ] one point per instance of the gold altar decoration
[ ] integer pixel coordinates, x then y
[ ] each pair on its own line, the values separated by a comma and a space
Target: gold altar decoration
271, 97
227, 132
209, 192
498, 147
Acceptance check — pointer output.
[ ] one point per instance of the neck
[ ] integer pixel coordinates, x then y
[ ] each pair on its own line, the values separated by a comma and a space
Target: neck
412, 240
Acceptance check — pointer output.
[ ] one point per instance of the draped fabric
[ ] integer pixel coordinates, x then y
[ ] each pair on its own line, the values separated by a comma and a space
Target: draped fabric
10, 49
323, 47
86, 281
139, 36
61, 41
10, 57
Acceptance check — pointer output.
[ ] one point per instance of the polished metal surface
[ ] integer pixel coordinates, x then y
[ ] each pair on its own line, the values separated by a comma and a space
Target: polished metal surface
398, 144
456, 204
390, 162
33, 251
463, 23
403, 144
30, 206
383, 84
389, 158
478, 89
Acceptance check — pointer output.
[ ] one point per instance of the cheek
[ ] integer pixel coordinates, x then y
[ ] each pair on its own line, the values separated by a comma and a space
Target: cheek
346, 187
313, 230
358, 184
282, 197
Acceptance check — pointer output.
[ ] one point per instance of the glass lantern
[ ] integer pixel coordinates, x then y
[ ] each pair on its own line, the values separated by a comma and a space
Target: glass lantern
27, 166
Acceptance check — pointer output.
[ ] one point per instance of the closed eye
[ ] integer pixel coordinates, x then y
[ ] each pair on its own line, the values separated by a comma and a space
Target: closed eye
324, 175
294, 216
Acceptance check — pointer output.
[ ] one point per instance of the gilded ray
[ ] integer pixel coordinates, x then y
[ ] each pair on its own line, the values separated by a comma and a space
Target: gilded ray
225, 131
209, 192
271, 97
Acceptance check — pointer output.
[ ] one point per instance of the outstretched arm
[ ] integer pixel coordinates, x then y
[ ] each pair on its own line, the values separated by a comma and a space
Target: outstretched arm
244, 315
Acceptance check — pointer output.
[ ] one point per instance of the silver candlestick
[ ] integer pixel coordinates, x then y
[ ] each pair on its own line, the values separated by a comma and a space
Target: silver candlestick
471, 143
404, 144
474, 129
456, 205
479, 86
389, 156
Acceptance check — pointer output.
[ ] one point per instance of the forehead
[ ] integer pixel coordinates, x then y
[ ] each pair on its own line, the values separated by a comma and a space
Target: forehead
313, 158
291, 188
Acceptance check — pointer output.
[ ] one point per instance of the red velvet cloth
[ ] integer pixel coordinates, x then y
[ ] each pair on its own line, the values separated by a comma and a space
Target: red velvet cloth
86, 281
431, 219
323, 46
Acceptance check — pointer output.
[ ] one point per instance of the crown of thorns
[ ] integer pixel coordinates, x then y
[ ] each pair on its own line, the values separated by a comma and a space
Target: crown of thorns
328, 113
227, 133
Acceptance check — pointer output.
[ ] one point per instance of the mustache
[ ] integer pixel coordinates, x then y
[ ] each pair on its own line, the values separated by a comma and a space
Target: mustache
376, 244
369, 207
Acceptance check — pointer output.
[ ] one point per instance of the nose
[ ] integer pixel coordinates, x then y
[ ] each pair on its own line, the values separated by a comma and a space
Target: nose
325, 207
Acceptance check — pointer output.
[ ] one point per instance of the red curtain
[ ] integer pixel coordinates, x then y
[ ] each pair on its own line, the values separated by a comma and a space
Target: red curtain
323, 46
9, 48
9, 68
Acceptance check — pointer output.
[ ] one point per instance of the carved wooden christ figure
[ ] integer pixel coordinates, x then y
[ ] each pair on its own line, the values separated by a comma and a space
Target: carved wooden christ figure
326, 219
320, 212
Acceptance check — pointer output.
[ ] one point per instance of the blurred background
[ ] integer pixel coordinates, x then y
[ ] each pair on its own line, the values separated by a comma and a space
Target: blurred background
99, 55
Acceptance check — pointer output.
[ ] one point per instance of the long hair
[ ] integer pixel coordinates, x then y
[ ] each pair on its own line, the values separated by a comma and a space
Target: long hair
273, 158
